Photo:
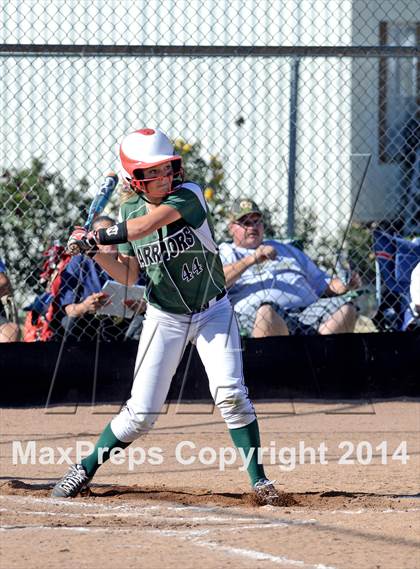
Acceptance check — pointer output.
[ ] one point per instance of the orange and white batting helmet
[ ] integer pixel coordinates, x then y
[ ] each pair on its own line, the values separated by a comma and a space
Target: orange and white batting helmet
145, 148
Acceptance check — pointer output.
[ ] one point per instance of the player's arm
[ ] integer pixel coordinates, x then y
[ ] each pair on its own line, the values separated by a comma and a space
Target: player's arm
159, 217
124, 231
127, 230
124, 269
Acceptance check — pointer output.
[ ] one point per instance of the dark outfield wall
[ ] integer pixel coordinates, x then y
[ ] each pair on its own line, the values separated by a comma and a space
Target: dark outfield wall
354, 366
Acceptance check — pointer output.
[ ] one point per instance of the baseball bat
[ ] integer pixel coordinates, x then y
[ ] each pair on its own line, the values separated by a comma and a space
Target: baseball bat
102, 197
98, 204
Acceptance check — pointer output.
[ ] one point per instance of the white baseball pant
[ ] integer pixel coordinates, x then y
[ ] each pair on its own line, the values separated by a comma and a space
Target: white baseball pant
162, 343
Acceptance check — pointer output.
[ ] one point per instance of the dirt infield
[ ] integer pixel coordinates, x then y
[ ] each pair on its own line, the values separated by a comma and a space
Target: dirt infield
350, 496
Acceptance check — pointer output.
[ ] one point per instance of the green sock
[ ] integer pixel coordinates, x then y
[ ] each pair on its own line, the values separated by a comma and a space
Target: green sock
248, 439
107, 440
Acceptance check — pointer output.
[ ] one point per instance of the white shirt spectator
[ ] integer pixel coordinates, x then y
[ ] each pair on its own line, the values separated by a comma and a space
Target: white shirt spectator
292, 280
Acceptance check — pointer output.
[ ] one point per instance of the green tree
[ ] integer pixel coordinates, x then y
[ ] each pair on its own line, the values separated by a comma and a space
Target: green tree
37, 208
210, 176
325, 249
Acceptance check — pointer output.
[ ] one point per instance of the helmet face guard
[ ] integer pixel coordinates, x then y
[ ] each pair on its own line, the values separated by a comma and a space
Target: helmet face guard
144, 149
139, 183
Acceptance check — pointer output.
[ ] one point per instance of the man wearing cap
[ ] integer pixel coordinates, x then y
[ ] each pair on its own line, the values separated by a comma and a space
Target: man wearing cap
275, 288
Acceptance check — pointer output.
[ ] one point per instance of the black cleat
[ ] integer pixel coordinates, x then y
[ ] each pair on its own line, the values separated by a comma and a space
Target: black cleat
74, 481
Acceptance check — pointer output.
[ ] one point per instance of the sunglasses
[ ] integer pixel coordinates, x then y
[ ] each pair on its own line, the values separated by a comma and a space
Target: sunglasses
250, 222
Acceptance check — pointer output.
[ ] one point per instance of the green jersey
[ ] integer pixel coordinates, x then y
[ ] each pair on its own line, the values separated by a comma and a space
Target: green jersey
181, 259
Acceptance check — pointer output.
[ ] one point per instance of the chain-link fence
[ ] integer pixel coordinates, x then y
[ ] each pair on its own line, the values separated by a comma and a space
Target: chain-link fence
309, 108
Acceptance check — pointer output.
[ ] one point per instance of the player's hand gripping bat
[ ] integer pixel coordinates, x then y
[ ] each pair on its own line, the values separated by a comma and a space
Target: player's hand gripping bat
79, 239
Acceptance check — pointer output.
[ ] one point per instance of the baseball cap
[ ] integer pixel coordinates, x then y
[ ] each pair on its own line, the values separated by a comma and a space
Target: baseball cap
243, 206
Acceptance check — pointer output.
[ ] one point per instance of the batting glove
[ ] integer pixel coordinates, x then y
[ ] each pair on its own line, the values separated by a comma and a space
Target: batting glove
82, 241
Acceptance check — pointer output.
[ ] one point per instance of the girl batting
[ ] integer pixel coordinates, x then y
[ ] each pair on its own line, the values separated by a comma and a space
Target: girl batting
165, 230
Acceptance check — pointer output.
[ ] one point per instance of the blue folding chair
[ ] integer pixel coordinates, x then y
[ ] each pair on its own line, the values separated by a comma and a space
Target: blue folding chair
395, 259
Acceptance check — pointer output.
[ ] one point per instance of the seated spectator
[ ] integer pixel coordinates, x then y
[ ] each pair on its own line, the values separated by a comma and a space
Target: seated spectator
396, 258
81, 297
9, 331
275, 288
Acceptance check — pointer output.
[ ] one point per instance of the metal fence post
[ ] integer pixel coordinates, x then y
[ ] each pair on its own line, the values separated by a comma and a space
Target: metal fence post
291, 192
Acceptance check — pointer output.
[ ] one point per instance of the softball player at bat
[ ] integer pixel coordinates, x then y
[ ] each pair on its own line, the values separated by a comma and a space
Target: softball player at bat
166, 231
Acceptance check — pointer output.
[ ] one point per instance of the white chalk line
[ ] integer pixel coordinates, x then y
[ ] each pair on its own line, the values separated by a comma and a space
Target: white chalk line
360, 511
219, 521
193, 536
199, 508
264, 526
261, 556
141, 509
79, 529
135, 510
209, 519
70, 503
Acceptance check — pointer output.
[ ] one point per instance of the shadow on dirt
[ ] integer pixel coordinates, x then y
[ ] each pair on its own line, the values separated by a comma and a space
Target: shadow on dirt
329, 500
